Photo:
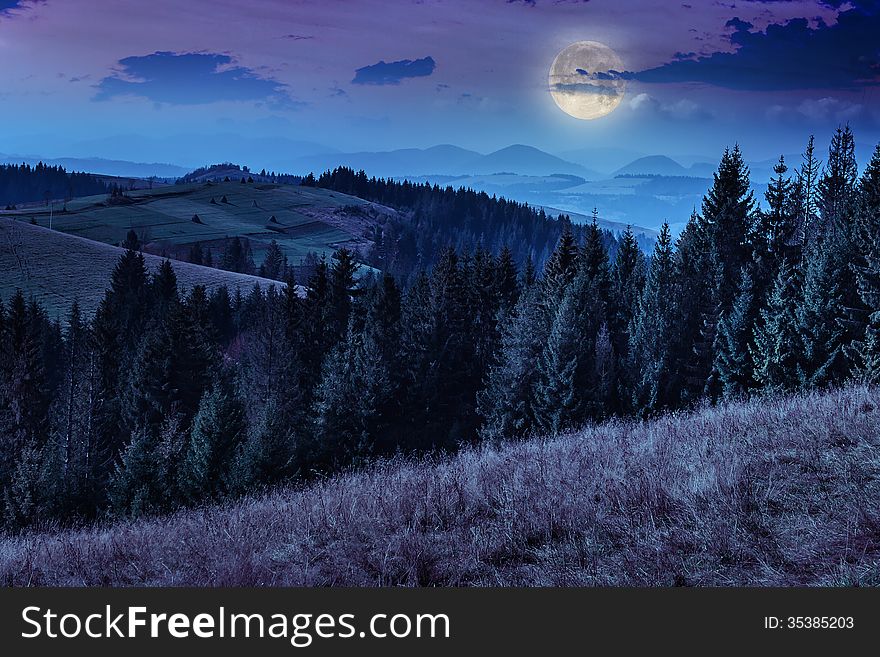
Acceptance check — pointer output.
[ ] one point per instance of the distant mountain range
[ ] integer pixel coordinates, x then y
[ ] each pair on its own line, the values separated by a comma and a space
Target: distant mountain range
445, 160
661, 165
626, 187
97, 165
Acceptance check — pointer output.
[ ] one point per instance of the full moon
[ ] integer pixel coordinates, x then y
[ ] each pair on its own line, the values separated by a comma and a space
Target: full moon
585, 80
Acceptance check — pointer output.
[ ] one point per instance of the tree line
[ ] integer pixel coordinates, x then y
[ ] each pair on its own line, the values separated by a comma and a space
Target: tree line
168, 398
24, 183
437, 217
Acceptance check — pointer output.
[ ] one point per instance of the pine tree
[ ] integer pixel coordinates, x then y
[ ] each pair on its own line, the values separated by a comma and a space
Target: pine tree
173, 368
697, 282
727, 212
820, 315
132, 242
197, 254
274, 263
733, 360
865, 352
651, 349
341, 291
217, 432
506, 282
26, 402
807, 185
506, 404
593, 263
560, 268
837, 186
163, 288
627, 283
776, 349
567, 392
773, 232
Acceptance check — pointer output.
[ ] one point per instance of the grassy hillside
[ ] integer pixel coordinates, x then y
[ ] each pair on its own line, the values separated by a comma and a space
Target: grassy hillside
775, 492
305, 219
58, 268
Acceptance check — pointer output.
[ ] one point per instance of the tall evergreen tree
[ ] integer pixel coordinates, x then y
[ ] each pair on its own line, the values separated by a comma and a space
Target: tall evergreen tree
651, 348
865, 351
776, 349
507, 402
727, 211
733, 360
217, 432
561, 266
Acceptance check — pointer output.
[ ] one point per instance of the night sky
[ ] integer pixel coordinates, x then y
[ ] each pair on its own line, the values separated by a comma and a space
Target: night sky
124, 78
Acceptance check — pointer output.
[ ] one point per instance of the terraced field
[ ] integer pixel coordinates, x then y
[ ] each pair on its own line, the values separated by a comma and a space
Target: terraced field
57, 268
170, 219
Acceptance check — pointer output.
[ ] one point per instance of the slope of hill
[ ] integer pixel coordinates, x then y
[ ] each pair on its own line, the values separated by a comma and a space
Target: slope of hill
58, 269
170, 219
780, 491
444, 160
525, 160
653, 165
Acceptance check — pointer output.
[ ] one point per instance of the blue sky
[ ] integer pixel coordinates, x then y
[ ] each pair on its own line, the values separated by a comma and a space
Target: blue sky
95, 77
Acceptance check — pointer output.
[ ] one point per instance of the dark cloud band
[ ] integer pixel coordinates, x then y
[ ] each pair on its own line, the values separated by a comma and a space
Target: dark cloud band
393, 72
789, 56
188, 79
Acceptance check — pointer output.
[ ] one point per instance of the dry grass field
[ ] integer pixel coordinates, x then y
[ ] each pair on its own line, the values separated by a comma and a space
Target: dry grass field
779, 491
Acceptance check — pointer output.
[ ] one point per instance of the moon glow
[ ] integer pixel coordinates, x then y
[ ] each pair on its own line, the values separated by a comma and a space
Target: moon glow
585, 80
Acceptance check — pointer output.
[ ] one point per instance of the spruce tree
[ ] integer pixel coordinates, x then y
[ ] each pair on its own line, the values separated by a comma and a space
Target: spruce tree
865, 352
776, 349
697, 281
560, 268
274, 263
217, 432
568, 391
837, 186
651, 349
727, 212
807, 185
506, 404
507, 285
820, 315
627, 282
733, 361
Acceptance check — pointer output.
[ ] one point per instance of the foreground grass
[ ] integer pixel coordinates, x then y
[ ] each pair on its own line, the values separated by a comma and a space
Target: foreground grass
773, 492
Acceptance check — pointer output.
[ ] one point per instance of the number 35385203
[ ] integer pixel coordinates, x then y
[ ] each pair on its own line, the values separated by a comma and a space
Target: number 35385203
809, 622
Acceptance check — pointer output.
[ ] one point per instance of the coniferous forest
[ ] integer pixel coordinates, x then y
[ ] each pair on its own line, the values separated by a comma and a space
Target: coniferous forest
170, 397
25, 183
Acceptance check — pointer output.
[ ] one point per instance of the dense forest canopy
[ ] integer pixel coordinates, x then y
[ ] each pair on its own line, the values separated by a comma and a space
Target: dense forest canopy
170, 397
437, 217
24, 183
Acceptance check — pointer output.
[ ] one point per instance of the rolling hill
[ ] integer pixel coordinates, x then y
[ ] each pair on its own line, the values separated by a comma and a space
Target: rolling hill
653, 165
445, 160
775, 492
170, 219
58, 269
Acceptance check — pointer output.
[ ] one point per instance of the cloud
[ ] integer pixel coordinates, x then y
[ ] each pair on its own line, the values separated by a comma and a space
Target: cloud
393, 72
823, 109
789, 56
683, 109
585, 88
817, 110
7, 5
190, 79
